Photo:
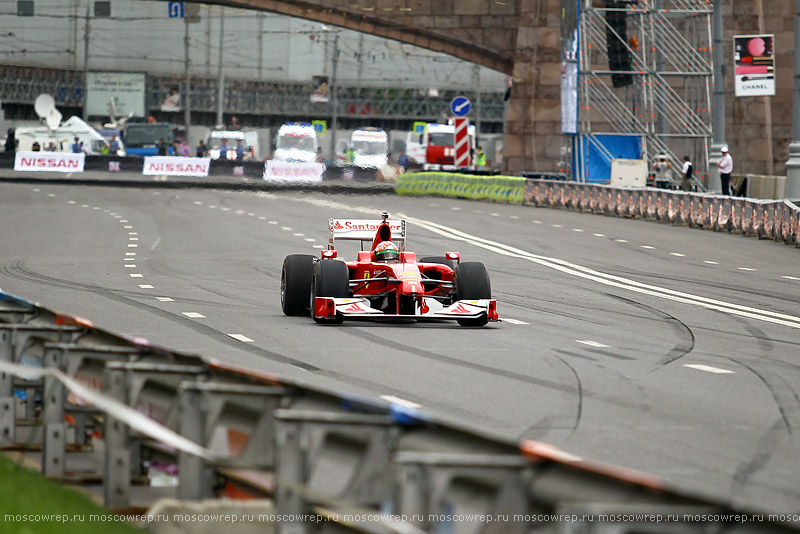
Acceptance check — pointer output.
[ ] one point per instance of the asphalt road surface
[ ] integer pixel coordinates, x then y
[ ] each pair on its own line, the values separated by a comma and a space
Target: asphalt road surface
666, 349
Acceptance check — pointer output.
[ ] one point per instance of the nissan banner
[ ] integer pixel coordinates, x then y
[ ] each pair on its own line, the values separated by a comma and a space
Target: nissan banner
176, 166
290, 171
49, 161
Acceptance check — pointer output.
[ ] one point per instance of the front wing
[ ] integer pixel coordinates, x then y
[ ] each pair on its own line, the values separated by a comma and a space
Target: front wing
358, 308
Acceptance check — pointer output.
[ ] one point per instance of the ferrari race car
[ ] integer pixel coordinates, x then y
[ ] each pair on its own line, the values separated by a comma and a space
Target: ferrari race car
385, 282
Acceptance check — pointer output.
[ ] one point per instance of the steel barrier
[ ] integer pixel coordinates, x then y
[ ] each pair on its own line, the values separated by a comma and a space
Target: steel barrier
332, 462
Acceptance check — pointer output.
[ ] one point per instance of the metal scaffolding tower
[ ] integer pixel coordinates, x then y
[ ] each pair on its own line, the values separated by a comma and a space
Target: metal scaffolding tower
646, 71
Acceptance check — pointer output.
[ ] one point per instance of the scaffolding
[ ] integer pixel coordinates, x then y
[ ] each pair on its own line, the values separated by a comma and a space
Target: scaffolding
646, 71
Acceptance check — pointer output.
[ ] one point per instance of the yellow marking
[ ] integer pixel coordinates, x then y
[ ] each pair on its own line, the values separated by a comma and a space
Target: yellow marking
366, 277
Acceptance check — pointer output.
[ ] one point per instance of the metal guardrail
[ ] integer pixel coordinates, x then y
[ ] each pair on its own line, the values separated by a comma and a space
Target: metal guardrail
766, 219
364, 465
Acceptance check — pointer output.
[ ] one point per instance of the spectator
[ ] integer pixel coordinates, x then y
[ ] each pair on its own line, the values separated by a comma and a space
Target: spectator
201, 150
662, 167
235, 124
402, 160
725, 165
480, 161
104, 150
36, 147
11, 142
162, 147
184, 149
51, 147
77, 146
687, 172
223, 149
239, 150
113, 147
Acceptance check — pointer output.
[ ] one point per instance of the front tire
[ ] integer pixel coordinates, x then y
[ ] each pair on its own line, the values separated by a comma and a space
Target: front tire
331, 279
471, 282
296, 275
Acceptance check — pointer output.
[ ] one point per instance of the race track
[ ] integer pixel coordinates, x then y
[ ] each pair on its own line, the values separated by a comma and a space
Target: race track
671, 350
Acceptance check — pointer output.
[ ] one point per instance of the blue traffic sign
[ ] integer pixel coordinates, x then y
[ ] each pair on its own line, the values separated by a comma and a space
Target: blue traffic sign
460, 106
175, 10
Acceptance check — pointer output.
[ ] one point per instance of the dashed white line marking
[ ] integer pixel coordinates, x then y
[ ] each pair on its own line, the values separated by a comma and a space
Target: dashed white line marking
286, 228
225, 209
84, 205
194, 315
678, 254
557, 226
317, 246
51, 195
37, 190
790, 277
273, 222
299, 235
621, 240
262, 218
71, 202
128, 227
648, 247
513, 321
130, 254
164, 299
514, 216
133, 233
145, 286
577, 230
599, 235
591, 343
745, 269
197, 203
117, 216
537, 222
495, 214
136, 275
400, 402
241, 337
710, 262
251, 214
310, 239
708, 369
455, 209
212, 207
155, 243
130, 266
123, 220
96, 208
133, 239
132, 245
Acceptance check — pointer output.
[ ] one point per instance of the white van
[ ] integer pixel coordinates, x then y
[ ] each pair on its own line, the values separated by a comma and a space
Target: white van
249, 140
296, 142
63, 137
370, 148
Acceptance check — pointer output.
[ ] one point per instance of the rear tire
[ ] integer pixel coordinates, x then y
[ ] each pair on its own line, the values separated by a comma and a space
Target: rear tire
471, 282
331, 279
296, 275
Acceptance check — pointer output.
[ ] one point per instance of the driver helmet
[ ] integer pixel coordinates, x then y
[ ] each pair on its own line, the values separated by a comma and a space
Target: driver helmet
387, 252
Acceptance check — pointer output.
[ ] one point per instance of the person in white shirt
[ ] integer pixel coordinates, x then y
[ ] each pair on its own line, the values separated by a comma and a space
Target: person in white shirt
686, 172
725, 168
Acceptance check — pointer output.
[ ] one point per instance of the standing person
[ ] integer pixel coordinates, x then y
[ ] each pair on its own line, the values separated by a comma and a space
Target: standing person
480, 162
51, 147
201, 149
113, 147
184, 149
239, 150
725, 165
687, 172
76, 146
162, 147
11, 141
662, 166
223, 149
402, 160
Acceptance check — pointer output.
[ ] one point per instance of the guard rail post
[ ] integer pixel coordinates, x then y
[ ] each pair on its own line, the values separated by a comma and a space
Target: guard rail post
430, 484
117, 481
195, 476
7, 402
290, 469
54, 442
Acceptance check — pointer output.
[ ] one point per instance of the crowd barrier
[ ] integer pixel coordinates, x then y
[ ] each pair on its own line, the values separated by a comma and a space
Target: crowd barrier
331, 462
498, 188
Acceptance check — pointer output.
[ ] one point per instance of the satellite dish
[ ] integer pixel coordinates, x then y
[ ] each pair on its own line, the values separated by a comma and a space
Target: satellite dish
43, 105
53, 119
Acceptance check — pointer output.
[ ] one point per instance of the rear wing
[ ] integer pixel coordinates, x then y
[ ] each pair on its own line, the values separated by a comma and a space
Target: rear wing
365, 230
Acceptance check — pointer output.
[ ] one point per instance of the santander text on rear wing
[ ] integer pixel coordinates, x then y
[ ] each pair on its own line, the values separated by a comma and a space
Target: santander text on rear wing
364, 230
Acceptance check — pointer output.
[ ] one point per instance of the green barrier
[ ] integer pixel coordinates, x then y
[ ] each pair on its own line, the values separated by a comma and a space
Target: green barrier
498, 188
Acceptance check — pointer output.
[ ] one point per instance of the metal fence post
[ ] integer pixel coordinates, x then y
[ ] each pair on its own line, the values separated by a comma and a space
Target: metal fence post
54, 455
290, 473
7, 403
195, 477
117, 470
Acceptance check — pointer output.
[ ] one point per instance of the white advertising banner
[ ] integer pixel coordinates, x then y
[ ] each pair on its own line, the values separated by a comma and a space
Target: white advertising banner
126, 90
49, 161
754, 65
176, 166
290, 171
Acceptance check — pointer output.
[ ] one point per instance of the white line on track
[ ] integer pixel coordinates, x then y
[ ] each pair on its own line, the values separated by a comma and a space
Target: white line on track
132, 245
537, 222
241, 337
512, 321
164, 299
299, 235
155, 243
790, 277
456, 209
130, 254
145, 286
123, 220
136, 275
37, 190
745, 269
400, 402
128, 227
557, 225
678, 254
194, 315
198, 203
71, 202
84, 205
495, 214
514, 216
591, 343
51, 195
711, 262
648, 247
130, 266
621, 240
286, 228
577, 230
310, 239
133, 239
708, 369
599, 235
133, 233
318, 246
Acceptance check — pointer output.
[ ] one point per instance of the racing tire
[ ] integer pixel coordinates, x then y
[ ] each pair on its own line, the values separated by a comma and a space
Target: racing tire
471, 282
296, 275
437, 259
331, 279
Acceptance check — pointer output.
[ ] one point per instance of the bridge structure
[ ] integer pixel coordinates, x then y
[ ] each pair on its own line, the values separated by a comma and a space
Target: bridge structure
520, 38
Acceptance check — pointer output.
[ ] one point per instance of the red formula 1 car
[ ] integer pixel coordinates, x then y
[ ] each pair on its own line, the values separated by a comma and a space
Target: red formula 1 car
385, 281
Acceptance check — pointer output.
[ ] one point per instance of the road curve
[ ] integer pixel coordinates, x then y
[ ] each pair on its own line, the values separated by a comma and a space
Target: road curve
661, 348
